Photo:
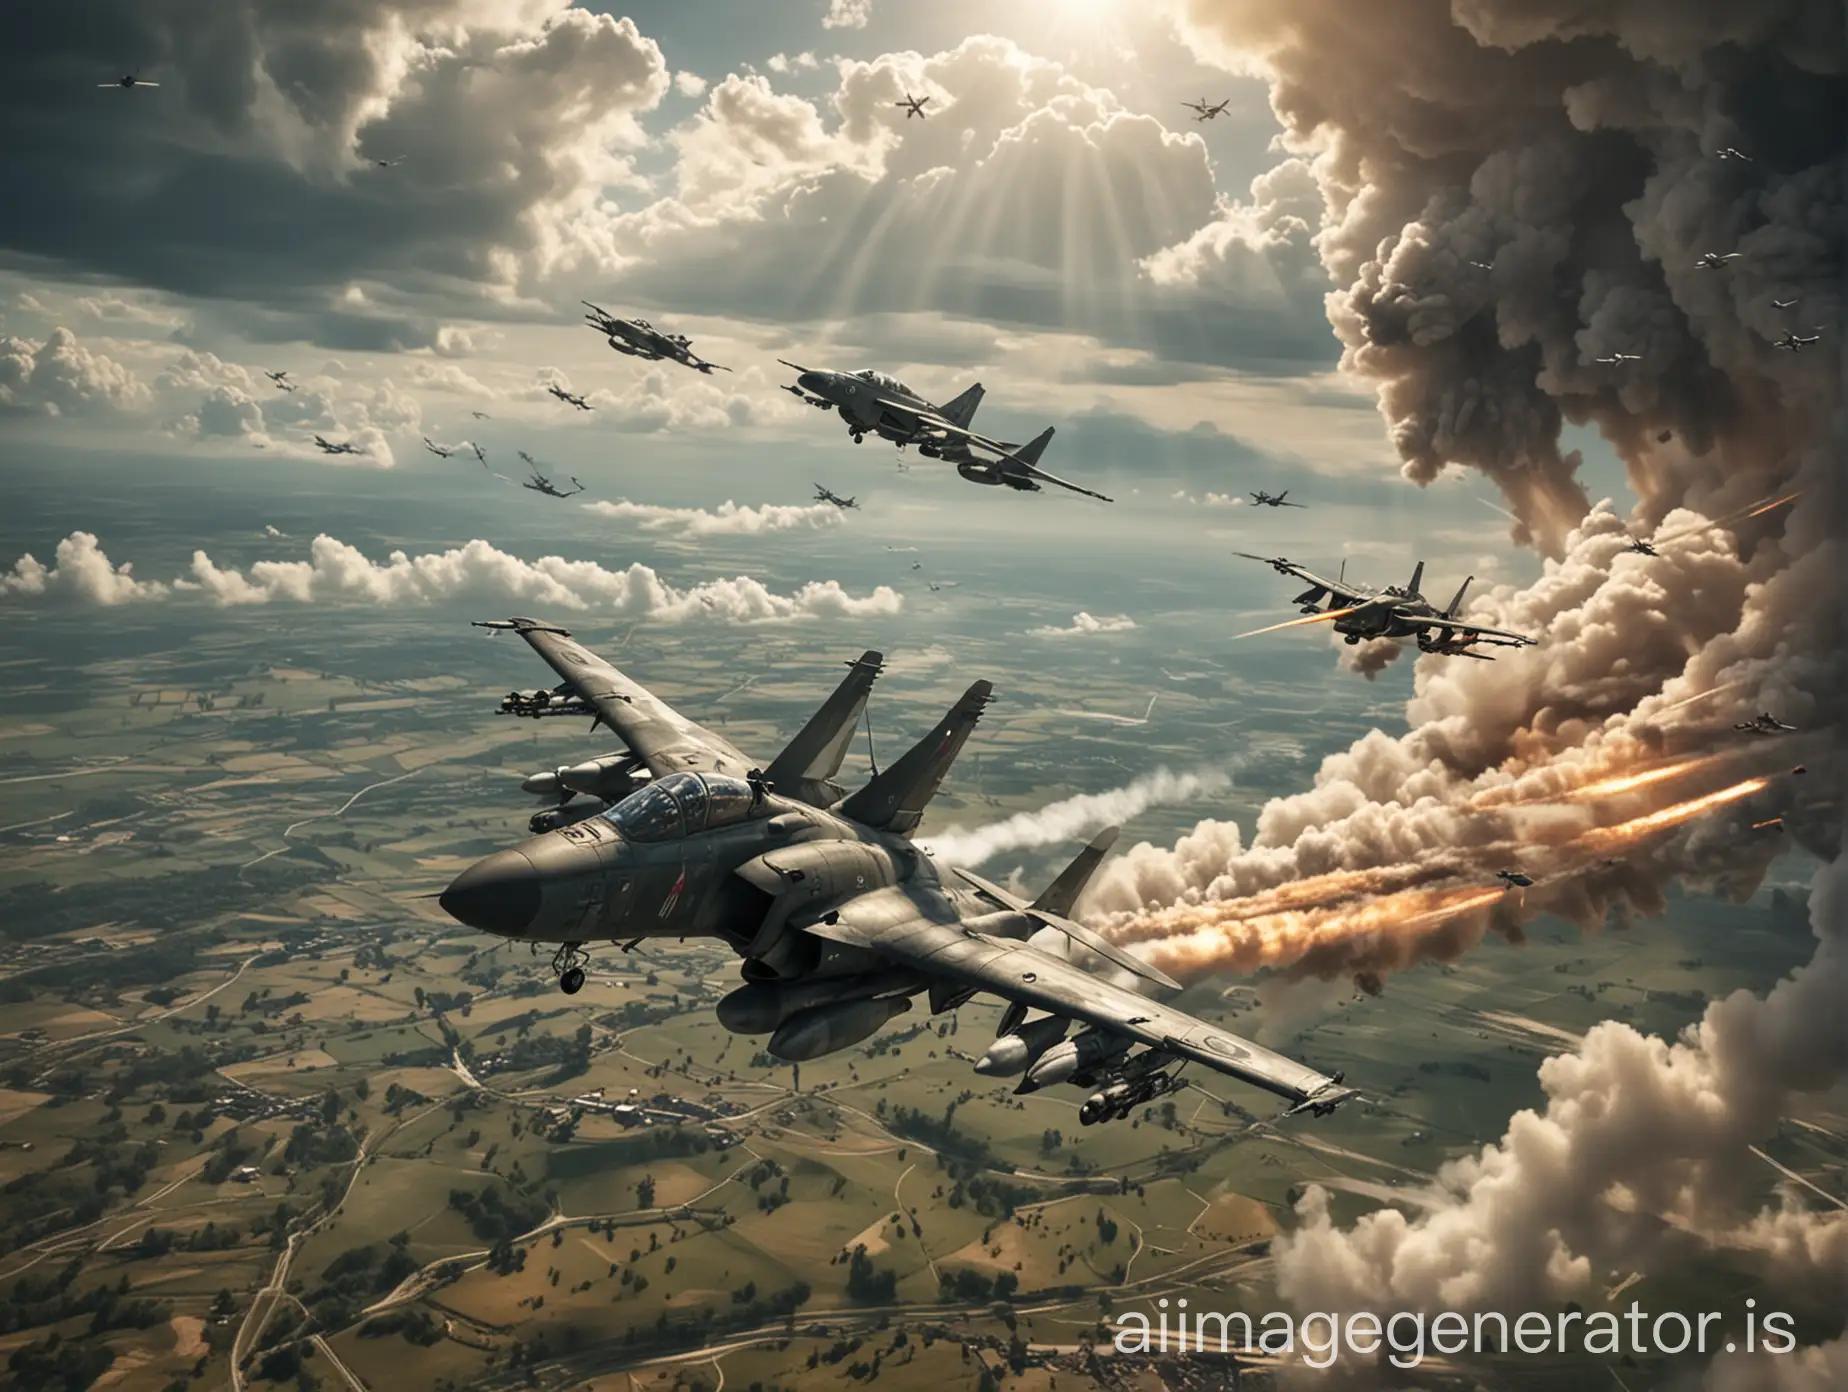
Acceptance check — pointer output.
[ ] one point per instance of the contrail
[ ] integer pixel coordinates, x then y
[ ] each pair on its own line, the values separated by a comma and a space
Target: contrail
1322, 617
1074, 817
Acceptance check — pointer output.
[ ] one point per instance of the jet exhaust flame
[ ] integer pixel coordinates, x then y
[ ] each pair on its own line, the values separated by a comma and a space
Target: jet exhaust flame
1673, 815
1700, 696
1629, 783
1775, 503
1322, 617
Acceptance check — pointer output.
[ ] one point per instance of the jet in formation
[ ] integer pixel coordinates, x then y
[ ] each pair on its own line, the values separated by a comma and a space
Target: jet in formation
1360, 612
1262, 499
127, 80
1729, 153
1784, 304
1713, 260
568, 398
1515, 879
839, 917
828, 495
637, 338
1620, 358
1764, 723
1483, 265
442, 451
913, 106
873, 403
1793, 342
281, 380
387, 163
481, 455
341, 447
481, 415
1642, 547
1203, 111
539, 483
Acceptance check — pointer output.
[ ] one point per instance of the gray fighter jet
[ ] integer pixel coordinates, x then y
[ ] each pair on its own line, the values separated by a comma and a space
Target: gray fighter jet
1203, 111
1713, 260
568, 398
441, 451
913, 106
281, 379
1642, 547
539, 483
1794, 342
127, 80
637, 338
331, 447
873, 403
1360, 612
1784, 304
1729, 153
1515, 879
1764, 723
1620, 358
828, 495
839, 917
1262, 499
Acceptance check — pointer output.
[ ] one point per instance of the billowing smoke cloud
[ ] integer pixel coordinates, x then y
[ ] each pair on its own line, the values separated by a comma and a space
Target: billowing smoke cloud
337, 573
1642, 1151
727, 519
1083, 623
1074, 816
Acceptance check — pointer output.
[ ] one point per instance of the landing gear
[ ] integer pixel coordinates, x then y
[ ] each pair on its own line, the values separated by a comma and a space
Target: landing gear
568, 963
859, 437
1353, 639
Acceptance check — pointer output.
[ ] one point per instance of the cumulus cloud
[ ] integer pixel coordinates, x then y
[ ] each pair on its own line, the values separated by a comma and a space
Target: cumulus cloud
727, 519
81, 574
1086, 623
847, 14
1074, 816
689, 84
60, 377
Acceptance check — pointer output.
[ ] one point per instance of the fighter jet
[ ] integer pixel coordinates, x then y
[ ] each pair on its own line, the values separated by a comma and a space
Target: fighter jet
873, 403
1764, 723
839, 917
1515, 879
1482, 265
1793, 342
567, 397
1713, 260
343, 447
1205, 112
539, 483
481, 415
127, 80
1620, 358
481, 455
1262, 499
1784, 304
281, 379
441, 451
637, 338
826, 495
913, 106
1360, 612
1731, 154
1642, 547
387, 164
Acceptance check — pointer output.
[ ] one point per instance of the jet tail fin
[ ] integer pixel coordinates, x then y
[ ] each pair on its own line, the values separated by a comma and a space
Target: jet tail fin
1417, 579
805, 767
1456, 603
962, 410
1034, 448
1059, 896
895, 799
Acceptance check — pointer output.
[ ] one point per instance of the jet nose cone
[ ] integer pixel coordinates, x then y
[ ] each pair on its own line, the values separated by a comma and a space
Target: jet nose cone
498, 894
812, 382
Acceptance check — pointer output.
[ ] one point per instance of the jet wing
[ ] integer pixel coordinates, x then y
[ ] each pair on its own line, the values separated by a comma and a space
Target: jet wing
1016, 971
1339, 595
1486, 635
932, 419
654, 731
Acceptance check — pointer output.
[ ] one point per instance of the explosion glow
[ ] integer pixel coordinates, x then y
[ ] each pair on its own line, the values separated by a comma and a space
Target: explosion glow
1626, 783
1323, 617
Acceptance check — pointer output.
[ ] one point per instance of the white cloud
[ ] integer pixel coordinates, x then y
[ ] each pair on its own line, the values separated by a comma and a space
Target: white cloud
689, 84
727, 519
1073, 817
847, 14
60, 377
1087, 623
80, 573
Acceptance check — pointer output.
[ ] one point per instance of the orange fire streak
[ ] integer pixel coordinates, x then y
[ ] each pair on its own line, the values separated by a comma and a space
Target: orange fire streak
1323, 617
1776, 502
1625, 783
1674, 814
1772, 822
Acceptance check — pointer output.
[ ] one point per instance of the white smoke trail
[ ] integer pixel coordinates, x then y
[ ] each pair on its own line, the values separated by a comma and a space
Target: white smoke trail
1074, 817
